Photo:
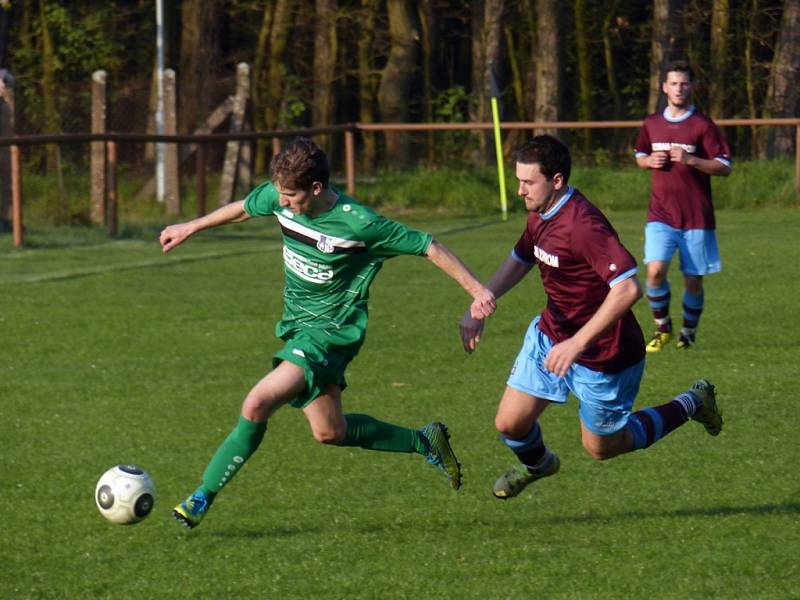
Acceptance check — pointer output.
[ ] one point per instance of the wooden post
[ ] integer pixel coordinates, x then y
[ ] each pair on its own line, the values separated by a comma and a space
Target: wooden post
112, 219
16, 196
349, 154
201, 179
276, 146
172, 196
797, 158
97, 212
227, 186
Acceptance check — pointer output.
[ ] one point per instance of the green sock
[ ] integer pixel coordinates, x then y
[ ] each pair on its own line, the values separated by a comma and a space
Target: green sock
231, 455
372, 434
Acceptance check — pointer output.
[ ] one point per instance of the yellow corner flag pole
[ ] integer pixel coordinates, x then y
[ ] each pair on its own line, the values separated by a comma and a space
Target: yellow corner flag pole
498, 150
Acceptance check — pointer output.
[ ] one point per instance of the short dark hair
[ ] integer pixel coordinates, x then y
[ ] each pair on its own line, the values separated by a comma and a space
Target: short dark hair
300, 164
678, 66
550, 154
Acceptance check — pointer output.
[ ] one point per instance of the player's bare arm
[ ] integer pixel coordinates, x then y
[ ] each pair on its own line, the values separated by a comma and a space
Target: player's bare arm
509, 273
706, 165
174, 235
483, 303
620, 299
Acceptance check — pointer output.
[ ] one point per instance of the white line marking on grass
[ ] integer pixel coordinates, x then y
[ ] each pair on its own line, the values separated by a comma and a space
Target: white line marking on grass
177, 259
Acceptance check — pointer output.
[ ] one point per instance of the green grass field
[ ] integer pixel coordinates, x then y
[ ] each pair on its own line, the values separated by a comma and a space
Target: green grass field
112, 352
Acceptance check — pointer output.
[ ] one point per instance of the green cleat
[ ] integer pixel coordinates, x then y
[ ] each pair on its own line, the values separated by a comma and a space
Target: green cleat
513, 481
192, 510
660, 339
440, 454
709, 414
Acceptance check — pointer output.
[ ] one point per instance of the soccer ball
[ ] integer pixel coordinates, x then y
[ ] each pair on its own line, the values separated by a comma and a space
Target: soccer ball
125, 494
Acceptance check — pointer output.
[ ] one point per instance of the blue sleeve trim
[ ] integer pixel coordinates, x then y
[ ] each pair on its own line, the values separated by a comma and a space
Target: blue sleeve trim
724, 161
623, 277
517, 258
640, 154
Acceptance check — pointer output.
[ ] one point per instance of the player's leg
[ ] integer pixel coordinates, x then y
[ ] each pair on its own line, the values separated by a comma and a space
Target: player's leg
330, 426
281, 385
609, 429
699, 257
530, 389
661, 241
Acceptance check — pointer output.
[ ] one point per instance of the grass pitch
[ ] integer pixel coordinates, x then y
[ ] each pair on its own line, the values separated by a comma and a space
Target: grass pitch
115, 353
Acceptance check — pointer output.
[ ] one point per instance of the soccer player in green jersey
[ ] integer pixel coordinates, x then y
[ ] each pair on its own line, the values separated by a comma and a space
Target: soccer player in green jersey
333, 249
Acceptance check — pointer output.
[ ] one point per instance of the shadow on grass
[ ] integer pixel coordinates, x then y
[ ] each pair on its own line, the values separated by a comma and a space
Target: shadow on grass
268, 532
718, 511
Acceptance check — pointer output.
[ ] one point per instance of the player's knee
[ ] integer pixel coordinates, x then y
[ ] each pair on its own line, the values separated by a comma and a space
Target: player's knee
329, 435
599, 450
510, 427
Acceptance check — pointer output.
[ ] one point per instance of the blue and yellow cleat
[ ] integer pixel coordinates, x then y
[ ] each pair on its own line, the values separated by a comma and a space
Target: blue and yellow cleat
192, 510
513, 481
709, 415
660, 339
440, 454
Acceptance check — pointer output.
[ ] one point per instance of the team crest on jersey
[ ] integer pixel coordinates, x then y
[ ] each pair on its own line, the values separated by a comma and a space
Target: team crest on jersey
325, 244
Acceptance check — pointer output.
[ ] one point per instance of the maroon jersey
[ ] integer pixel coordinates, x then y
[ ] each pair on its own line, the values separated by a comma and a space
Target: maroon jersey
681, 195
580, 257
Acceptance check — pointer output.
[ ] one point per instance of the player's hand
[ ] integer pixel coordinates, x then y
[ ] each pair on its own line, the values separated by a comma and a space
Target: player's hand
562, 356
483, 304
657, 160
174, 235
678, 154
471, 330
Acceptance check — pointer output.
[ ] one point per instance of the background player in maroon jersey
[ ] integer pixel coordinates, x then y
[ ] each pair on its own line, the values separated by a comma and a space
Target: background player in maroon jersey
586, 340
683, 148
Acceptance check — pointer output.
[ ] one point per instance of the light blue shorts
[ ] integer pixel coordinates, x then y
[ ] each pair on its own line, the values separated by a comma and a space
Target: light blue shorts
697, 247
605, 399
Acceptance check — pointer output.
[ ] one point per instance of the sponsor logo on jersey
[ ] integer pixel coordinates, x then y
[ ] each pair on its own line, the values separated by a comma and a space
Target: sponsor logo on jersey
325, 244
666, 146
307, 269
287, 213
545, 257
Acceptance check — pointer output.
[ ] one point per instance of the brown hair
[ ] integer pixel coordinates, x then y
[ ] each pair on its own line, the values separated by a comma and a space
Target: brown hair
300, 164
678, 66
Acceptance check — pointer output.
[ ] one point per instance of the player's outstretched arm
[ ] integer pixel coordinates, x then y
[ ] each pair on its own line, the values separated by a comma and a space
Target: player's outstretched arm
174, 235
509, 273
483, 302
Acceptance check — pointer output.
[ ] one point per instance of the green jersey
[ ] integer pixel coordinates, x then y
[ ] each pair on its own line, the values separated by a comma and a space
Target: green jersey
329, 263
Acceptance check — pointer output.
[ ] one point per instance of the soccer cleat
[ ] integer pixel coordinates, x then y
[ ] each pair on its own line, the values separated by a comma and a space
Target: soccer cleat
709, 414
685, 341
660, 339
513, 481
192, 510
440, 454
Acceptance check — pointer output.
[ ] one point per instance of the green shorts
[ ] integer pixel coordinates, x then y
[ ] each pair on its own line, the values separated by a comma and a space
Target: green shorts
322, 366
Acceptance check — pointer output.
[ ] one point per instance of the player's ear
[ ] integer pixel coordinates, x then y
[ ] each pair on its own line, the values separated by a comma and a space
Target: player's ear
558, 181
316, 188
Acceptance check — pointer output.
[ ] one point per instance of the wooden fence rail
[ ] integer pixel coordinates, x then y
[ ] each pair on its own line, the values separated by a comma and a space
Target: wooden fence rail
111, 140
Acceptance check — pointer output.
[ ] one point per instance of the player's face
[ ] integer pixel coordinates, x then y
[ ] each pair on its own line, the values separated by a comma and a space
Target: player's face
538, 191
299, 201
678, 88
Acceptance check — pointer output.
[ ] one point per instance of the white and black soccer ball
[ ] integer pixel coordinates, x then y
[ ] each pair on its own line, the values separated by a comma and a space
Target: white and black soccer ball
125, 494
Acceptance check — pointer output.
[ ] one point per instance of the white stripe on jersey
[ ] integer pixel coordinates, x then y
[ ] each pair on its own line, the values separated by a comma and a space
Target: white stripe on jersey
316, 235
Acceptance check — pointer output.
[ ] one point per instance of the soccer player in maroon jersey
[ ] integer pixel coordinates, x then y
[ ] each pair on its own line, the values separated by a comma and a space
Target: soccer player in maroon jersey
586, 340
683, 148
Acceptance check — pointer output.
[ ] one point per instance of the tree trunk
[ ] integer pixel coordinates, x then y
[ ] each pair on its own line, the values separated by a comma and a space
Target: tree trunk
584, 70
427, 21
367, 80
199, 56
395, 85
749, 63
720, 29
52, 122
608, 59
325, 52
487, 35
784, 79
666, 44
281, 24
259, 82
549, 68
